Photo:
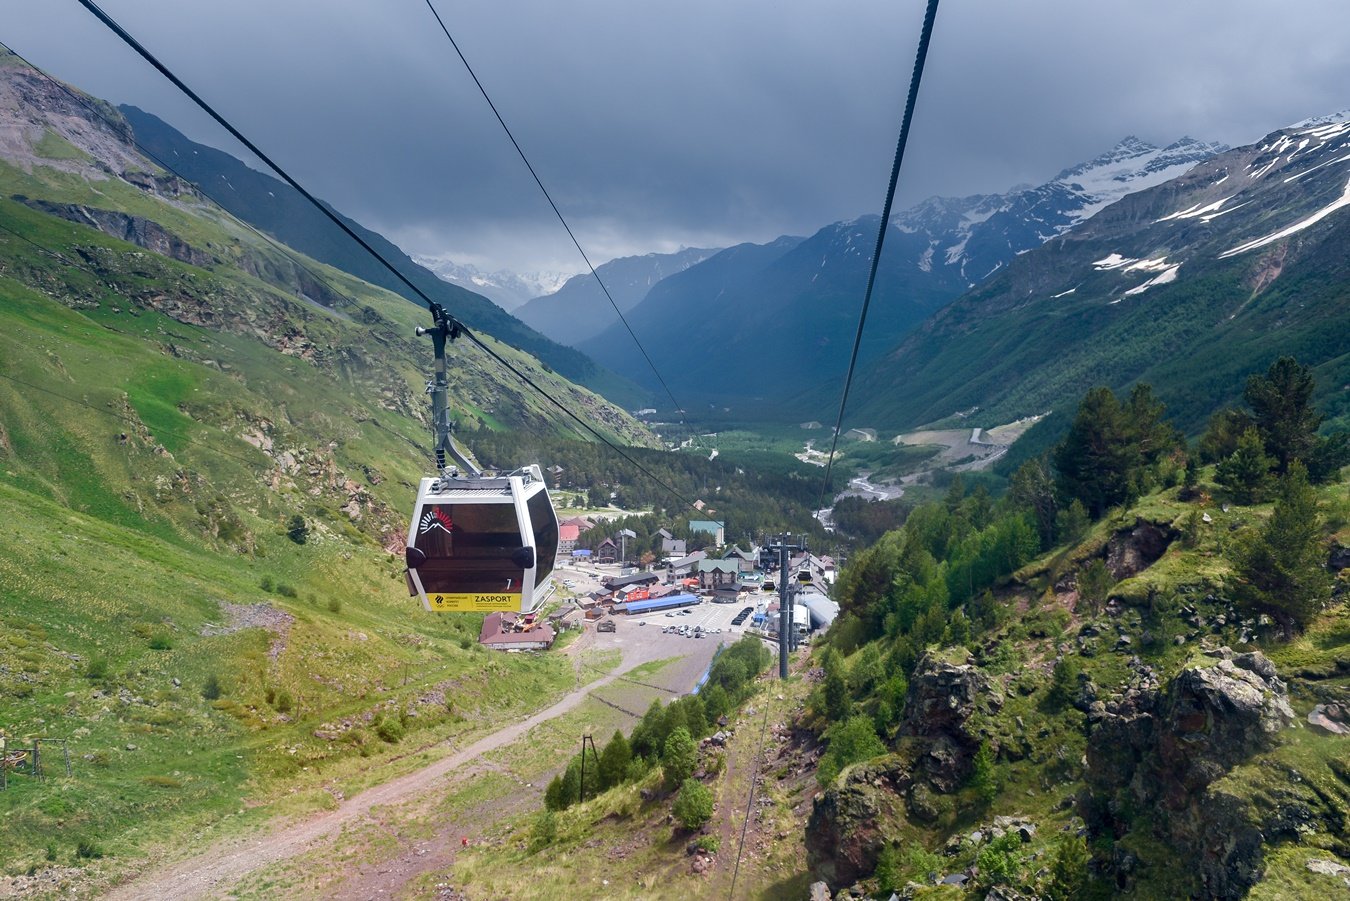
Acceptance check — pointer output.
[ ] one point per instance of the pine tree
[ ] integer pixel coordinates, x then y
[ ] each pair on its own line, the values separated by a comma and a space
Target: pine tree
1246, 472
1068, 871
982, 777
1281, 403
1094, 584
1032, 488
1095, 460
614, 761
679, 758
1281, 567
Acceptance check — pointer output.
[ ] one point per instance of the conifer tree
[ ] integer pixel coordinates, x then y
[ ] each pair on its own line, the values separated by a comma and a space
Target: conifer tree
614, 761
1281, 567
1246, 472
1281, 403
679, 758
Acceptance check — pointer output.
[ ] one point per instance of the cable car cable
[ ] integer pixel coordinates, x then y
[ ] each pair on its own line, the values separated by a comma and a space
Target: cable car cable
149, 57
557, 212
285, 249
919, 60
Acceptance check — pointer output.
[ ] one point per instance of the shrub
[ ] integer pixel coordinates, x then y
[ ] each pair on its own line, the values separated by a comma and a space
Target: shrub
694, 805
97, 668
87, 849
266, 583
543, 831
334, 605
297, 530
850, 741
286, 591
998, 861
390, 729
211, 689
709, 843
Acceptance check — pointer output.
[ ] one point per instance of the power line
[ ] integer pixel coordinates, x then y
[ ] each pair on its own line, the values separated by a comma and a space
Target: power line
149, 57
557, 212
919, 59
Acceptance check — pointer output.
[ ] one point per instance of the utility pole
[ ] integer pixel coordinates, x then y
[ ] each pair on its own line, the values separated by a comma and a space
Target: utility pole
581, 787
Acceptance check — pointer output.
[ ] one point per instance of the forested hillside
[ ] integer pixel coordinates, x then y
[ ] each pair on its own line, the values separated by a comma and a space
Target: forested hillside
1134, 652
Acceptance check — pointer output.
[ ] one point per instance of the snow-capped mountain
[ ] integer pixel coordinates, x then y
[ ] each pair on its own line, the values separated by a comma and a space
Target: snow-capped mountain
934, 252
506, 289
1190, 284
979, 234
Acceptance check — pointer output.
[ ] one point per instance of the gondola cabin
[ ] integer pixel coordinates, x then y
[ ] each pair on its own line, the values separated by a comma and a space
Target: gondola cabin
482, 544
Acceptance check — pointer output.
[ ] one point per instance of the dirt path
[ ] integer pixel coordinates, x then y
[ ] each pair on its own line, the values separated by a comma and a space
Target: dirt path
212, 872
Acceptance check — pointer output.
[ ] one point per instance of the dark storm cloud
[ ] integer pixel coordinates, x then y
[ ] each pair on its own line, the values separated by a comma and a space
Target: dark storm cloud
699, 123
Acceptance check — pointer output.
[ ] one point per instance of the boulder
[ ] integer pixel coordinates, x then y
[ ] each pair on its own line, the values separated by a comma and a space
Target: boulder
1131, 551
851, 820
1164, 750
1334, 718
943, 696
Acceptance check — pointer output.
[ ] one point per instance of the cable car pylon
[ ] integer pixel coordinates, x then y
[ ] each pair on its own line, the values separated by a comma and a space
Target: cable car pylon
477, 542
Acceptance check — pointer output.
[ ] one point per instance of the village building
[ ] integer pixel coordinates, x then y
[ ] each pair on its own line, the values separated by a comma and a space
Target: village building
567, 539
644, 580
582, 523
672, 546
684, 566
513, 632
715, 574
747, 561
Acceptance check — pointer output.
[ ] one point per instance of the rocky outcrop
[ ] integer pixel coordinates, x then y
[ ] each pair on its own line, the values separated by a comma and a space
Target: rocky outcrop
1133, 550
133, 229
1165, 750
943, 697
850, 821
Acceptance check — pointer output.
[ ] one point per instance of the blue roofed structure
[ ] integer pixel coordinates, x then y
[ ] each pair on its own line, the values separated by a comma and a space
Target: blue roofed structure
666, 603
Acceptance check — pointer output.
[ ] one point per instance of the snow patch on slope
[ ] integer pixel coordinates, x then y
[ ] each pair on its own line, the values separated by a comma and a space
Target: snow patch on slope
1342, 201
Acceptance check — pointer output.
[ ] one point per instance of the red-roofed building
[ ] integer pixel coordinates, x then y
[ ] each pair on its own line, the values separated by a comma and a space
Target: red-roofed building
568, 533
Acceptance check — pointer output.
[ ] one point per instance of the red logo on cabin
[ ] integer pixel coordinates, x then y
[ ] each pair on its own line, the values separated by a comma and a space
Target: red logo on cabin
435, 518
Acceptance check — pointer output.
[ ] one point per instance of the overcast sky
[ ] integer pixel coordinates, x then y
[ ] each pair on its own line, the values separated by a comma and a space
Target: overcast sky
697, 123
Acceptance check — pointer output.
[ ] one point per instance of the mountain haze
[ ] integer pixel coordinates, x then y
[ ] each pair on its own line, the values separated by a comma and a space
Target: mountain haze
508, 290
579, 309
